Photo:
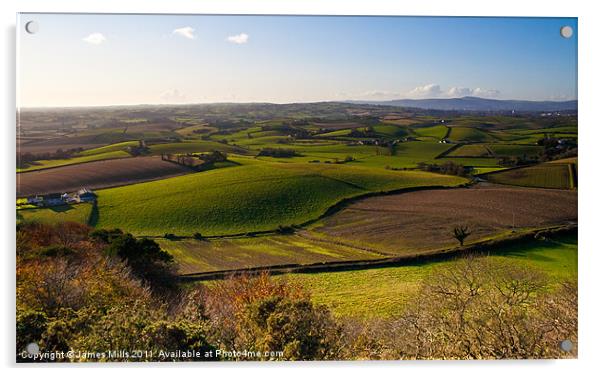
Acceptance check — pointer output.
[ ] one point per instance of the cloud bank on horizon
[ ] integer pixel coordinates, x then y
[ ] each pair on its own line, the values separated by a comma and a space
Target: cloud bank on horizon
428, 91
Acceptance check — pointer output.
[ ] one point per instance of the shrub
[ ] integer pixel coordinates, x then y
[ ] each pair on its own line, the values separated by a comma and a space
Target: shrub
277, 153
259, 313
105, 236
476, 308
147, 260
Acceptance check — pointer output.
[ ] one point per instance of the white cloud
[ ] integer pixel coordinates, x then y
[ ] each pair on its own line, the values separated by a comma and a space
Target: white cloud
172, 96
487, 93
420, 92
241, 38
457, 92
186, 32
435, 91
95, 38
426, 91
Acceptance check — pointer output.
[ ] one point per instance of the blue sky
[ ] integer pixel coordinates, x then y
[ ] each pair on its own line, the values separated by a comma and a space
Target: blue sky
82, 60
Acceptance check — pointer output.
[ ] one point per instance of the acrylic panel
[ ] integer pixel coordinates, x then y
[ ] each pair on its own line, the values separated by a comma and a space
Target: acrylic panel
221, 188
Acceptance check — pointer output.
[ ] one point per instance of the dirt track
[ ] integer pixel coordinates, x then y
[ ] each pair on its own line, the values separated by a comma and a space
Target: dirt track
96, 175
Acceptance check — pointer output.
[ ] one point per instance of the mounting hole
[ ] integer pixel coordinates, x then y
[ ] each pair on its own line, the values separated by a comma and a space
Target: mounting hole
33, 348
566, 32
32, 27
566, 345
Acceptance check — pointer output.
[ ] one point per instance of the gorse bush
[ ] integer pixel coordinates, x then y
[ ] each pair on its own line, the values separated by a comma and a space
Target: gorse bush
263, 315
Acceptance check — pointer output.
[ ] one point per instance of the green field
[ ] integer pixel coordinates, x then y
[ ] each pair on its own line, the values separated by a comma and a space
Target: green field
389, 130
192, 147
509, 150
476, 150
194, 256
462, 134
67, 213
546, 175
436, 132
382, 292
342, 132
256, 197
120, 146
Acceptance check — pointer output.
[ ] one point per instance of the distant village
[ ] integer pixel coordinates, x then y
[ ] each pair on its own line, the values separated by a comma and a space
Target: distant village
56, 199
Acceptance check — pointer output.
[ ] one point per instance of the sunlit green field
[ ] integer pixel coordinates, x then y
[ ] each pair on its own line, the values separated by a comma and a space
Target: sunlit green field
194, 256
547, 175
256, 197
470, 135
72, 213
192, 147
382, 292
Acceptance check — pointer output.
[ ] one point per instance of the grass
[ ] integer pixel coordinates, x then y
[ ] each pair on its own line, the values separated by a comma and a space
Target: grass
484, 170
120, 146
407, 155
471, 161
192, 147
64, 213
342, 132
382, 292
464, 134
476, 150
389, 130
437, 132
193, 256
546, 175
254, 197
40, 165
509, 150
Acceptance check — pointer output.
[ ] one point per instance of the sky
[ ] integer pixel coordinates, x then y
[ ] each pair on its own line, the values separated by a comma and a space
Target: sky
98, 60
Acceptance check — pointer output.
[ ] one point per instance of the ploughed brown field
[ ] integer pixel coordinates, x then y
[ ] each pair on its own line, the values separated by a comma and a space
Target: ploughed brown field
96, 175
51, 146
423, 221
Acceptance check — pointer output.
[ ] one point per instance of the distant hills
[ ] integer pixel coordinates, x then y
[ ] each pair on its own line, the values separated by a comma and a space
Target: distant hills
478, 104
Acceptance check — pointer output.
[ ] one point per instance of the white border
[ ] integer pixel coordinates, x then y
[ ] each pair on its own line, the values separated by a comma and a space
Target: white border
590, 132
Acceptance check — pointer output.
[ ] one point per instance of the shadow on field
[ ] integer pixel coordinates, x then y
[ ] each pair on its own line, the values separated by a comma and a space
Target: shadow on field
94, 215
61, 208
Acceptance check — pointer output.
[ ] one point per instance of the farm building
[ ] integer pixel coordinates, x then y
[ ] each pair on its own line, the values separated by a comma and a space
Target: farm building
55, 199
85, 195
36, 200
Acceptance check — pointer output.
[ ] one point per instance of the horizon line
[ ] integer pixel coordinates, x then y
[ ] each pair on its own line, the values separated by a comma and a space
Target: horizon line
347, 101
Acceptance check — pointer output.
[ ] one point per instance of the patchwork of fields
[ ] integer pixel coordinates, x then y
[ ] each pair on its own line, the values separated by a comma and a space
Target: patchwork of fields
403, 224
248, 198
312, 183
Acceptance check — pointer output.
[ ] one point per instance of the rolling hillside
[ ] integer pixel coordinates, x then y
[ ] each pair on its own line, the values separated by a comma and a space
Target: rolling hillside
247, 198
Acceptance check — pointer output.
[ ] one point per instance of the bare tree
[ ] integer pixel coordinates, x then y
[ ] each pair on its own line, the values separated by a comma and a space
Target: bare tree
461, 233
